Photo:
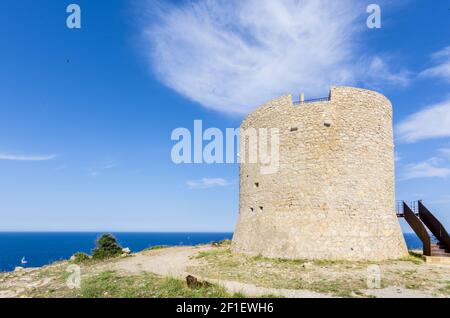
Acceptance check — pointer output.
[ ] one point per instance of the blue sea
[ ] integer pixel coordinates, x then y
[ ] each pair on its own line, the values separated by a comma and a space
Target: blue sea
46, 247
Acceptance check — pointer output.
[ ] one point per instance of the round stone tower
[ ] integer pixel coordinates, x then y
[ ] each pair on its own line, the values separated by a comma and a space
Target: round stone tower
332, 194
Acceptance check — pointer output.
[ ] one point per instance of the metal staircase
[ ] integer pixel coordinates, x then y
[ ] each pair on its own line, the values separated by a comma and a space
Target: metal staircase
423, 222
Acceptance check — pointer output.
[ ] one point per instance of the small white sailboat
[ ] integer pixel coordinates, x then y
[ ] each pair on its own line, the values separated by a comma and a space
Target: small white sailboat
23, 261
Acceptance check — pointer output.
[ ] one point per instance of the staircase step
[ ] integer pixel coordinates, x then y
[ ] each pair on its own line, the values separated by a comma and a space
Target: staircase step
442, 254
439, 253
439, 246
439, 249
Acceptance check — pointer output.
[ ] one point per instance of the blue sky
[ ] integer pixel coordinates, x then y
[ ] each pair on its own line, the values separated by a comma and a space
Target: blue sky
86, 114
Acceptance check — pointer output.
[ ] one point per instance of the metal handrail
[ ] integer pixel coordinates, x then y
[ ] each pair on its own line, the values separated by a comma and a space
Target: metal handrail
434, 225
321, 99
418, 227
399, 209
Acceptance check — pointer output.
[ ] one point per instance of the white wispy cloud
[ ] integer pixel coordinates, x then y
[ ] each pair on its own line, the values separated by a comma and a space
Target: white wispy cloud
233, 55
443, 199
379, 72
431, 168
207, 183
442, 67
431, 122
445, 152
98, 171
17, 157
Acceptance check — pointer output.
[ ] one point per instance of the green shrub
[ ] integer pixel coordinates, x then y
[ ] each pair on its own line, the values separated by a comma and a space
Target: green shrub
225, 242
106, 247
155, 247
80, 257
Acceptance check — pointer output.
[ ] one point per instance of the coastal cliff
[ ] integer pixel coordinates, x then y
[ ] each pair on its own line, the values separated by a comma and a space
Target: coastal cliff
161, 272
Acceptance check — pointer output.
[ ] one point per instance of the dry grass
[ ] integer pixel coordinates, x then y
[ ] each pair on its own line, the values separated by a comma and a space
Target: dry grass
338, 278
50, 282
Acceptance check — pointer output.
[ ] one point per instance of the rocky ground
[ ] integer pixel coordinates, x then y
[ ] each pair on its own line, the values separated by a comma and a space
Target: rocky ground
162, 272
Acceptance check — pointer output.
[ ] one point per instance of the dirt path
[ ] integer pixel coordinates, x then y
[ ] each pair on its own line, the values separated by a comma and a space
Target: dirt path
396, 292
175, 261
181, 261
171, 261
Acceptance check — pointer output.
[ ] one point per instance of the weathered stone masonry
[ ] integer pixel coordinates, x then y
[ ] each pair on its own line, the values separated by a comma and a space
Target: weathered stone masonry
333, 195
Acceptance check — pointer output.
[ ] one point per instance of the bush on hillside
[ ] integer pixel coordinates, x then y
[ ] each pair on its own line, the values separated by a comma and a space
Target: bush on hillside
154, 247
225, 242
106, 247
79, 258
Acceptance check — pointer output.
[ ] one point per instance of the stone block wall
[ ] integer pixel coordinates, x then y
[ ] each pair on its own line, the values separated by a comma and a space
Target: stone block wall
333, 195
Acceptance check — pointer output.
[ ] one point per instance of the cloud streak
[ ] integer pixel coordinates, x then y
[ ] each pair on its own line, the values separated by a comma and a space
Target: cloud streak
427, 169
445, 152
442, 69
234, 55
431, 122
205, 183
379, 72
15, 157
434, 167
97, 172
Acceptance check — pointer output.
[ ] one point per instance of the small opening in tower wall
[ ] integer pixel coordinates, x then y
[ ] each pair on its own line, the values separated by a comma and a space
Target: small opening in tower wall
256, 184
251, 209
261, 209
294, 128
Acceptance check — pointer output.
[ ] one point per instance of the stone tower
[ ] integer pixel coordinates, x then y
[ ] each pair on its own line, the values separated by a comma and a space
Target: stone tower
333, 194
